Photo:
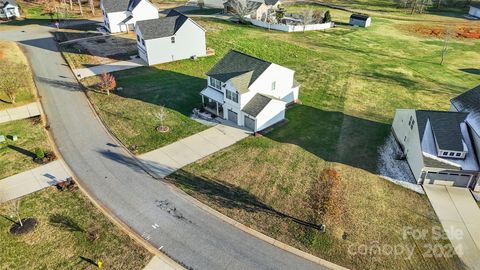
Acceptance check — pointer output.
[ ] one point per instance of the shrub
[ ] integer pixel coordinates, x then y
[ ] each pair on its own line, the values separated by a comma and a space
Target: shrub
39, 153
327, 17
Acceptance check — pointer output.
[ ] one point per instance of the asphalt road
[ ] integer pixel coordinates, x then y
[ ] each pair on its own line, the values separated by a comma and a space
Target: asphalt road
188, 234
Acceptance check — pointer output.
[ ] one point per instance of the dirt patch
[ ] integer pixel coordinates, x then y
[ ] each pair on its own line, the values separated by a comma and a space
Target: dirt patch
469, 31
111, 48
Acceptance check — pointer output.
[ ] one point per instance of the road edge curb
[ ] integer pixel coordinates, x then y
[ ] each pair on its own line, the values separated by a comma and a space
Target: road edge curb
103, 209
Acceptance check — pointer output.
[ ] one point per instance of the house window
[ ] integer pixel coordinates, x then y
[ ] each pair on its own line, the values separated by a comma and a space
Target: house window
458, 154
215, 83
232, 96
143, 42
138, 38
173, 39
273, 85
451, 154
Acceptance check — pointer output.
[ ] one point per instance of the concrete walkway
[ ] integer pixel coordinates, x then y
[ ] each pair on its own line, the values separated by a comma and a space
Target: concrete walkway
172, 157
33, 180
111, 67
460, 218
21, 112
158, 264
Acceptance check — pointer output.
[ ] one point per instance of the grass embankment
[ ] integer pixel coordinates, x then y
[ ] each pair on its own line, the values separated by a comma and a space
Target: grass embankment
17, 156
10, 54
60, 238
352, 80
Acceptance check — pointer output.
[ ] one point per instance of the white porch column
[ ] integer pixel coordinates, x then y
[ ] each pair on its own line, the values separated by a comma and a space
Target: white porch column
216, 103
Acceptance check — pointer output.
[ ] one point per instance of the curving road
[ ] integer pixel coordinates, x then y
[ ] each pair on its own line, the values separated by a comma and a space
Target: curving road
189, 235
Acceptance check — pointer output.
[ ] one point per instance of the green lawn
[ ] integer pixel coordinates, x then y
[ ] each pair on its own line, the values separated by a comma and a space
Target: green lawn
11, 53
17, 156
130, 114
352, 80
60, 241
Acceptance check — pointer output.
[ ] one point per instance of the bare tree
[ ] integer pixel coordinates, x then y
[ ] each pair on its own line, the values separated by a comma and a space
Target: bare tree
92, 6
107, 83
241, 8
307, 17
80, 6
161, 115
13, 80
13, 209
446, 42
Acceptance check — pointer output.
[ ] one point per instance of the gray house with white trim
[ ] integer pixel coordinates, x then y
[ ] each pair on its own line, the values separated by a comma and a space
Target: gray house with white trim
437, 146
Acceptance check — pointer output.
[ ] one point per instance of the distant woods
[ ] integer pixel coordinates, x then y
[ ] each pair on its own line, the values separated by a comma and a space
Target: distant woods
65, 8
420, 6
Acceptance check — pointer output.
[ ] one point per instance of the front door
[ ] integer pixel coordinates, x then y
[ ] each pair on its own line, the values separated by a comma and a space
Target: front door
232, 116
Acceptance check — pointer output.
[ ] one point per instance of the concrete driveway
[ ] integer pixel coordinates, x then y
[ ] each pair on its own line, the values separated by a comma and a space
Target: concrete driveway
460, 218
188, 234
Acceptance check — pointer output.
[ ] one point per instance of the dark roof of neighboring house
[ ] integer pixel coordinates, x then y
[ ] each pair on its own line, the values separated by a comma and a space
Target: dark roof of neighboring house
437, 163
445, 126
3, 3
115, 5
133, 4
236, 63
468, 101
256, 105
162, 27
475, 5
362, 17
252, 5
271, 2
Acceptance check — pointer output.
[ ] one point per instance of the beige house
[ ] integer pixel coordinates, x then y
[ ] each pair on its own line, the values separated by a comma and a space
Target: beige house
259, 8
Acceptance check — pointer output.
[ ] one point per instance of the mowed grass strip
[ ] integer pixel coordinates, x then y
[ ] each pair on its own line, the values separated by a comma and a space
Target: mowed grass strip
10, 53
352, 80
60, 239
17, 156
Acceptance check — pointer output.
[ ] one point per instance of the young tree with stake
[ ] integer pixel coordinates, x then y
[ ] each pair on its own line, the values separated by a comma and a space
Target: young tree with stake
107, 83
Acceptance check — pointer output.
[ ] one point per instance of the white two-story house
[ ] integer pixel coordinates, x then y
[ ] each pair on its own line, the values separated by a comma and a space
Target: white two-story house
9, 9
249, 91
122, 15
171, 38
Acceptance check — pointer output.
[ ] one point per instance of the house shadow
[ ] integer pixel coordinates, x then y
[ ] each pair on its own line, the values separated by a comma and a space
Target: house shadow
333, 136
22, 151
474, 71
173, 90
230, 196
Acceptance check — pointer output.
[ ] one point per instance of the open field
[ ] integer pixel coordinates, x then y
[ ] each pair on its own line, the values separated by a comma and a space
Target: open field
11, 55
17, 156
352, 80
60, 238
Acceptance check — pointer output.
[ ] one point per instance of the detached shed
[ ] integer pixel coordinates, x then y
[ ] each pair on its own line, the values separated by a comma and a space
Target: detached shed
361, 20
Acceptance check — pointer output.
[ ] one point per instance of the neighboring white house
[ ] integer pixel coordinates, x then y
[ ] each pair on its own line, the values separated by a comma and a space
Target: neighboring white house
9, 9
121, 15
259, 8
438, 147
171, 38
249, 91
474, 11
361, 20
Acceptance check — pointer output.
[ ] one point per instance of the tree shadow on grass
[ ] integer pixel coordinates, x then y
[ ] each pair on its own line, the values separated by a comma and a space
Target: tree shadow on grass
229, 196
64, 222
474, 71
22, 151
333, 136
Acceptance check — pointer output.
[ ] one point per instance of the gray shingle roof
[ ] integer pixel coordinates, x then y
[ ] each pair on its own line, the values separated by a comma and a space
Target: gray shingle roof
236, 63
256, 105
3, 3
437, 163
445, 127
362, 17
115, 5
468, 101
162, 27
475, 5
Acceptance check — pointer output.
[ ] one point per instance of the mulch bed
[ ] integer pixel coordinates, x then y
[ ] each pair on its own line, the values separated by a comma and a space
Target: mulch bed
29, 225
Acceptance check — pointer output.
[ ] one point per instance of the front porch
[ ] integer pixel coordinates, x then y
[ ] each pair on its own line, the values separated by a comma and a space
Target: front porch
212, 101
